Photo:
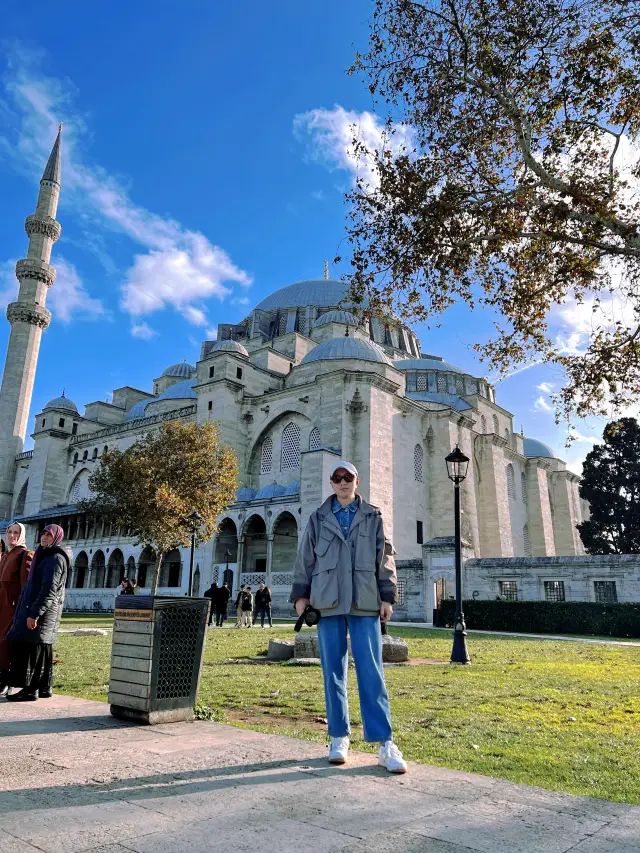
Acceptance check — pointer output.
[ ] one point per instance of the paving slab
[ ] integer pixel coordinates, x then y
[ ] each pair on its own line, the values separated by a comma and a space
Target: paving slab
75, 780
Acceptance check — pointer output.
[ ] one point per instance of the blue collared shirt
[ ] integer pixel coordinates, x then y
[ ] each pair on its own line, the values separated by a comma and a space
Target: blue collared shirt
344, 514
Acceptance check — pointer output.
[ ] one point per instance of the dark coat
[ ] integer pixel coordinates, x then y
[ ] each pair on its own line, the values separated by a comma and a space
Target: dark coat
42, 596
213, 592
223, 599
247, 602
263, 599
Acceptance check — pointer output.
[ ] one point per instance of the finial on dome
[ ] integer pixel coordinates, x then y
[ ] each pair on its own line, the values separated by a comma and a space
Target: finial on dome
62, 395
60, 128
326, 270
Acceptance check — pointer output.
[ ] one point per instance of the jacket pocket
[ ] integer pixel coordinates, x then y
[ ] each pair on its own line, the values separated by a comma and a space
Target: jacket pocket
326, 551
366, 550
324, 589
365, 593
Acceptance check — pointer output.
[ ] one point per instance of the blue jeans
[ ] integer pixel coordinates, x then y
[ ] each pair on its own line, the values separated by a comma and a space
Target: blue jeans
366, 646
265, 611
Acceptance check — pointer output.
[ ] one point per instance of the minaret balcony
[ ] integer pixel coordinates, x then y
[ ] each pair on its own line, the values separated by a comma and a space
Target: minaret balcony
45, 225
33, 268
25, 312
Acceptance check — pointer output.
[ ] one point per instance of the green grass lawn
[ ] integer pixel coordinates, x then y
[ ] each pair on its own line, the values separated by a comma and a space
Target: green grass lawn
507, 715
87, 620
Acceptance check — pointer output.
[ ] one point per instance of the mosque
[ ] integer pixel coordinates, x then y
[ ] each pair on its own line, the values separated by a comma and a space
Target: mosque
301, 382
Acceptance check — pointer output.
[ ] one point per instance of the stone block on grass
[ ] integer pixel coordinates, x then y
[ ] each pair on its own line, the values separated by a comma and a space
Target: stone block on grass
280, 649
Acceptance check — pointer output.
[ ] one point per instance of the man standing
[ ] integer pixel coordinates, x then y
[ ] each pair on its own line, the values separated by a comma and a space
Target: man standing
247, 608
221, 604
212, 595
239, 606
345, 569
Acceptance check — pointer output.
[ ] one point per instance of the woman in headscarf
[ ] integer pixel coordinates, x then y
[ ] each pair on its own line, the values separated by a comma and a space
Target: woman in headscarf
14, 569
37, 618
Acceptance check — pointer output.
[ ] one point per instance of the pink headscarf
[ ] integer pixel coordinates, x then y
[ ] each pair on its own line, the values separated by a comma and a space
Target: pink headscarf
56, 531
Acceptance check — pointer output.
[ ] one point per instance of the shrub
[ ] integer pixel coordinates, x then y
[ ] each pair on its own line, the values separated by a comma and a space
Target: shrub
548, 617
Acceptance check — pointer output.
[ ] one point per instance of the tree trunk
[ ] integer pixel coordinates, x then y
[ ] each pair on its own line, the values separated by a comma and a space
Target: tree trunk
156, 573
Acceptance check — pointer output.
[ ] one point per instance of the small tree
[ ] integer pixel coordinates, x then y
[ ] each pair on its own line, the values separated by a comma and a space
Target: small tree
611, 484
152, 486
516, 189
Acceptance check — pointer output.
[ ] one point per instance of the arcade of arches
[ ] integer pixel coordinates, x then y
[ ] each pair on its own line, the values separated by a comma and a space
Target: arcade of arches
100, 574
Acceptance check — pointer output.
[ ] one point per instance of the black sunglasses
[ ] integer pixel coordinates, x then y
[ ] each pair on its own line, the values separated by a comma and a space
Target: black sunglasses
338, 478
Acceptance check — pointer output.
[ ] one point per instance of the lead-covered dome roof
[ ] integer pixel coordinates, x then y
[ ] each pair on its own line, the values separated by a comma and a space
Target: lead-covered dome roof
228, 346
62, 402
137, 410
180, 391
532, 448
429, 362
336, 348
336, 316
180, 369
321, 292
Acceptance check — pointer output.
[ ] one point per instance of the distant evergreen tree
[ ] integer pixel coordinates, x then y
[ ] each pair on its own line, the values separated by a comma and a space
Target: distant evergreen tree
611, 485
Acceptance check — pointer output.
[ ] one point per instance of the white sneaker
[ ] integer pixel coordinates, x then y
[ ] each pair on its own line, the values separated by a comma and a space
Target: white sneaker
389, 756
339, 750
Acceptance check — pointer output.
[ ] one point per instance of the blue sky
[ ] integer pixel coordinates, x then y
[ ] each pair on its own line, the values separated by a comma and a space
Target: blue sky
204, 165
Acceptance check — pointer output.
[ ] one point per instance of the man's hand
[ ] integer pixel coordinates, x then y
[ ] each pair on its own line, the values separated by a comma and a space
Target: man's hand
301, 604
32, 624
385, 611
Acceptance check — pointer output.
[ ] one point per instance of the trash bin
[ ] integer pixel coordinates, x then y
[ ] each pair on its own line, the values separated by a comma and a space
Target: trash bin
156, 657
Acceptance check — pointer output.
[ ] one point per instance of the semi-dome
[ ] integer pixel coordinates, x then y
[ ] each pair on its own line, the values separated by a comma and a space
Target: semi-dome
180, 391
228, 346
429, 362
180, 369
245, 493
321, 292
337, 316
292, 488
273, 490
346, 348
533, 447
62, 402
137, 410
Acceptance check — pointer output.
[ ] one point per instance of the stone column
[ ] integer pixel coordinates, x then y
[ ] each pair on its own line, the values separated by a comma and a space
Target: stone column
269, 559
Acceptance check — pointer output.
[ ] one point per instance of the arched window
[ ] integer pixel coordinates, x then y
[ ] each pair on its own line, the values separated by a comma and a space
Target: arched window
511, 482
459, 385
441, 384
314, 439
105, 449
526, 540
417, 463
421, 381
267, 456
496, 425
507, 437
95, 453
75, 458
523, 487
290, 447
483, 424
85, 456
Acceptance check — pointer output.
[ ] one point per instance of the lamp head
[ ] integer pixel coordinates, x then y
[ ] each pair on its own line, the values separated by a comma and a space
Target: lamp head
457, 465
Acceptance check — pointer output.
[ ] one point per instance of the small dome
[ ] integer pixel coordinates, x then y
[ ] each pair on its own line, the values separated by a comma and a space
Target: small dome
292, 488
533, 448
346, 348
245, 493
62, 403
181, 369
180, 391
137, 410
429, 362
273, 490
337, 316
228, 346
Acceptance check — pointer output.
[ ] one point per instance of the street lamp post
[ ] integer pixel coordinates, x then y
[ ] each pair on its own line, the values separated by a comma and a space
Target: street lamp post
194, 521
457, 465
227, 557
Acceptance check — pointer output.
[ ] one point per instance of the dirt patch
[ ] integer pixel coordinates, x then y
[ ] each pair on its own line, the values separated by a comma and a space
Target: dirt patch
254, 716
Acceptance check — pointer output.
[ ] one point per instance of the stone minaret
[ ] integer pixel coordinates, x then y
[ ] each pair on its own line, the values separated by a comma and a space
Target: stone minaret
28, 318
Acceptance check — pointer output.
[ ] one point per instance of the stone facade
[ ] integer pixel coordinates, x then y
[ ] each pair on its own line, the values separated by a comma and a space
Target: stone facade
292, 393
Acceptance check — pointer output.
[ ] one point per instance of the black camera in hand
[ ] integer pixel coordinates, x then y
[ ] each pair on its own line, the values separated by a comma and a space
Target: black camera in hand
309, 616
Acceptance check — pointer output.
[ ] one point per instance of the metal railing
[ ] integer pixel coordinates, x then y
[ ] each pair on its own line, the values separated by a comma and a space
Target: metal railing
183, 412
26, 455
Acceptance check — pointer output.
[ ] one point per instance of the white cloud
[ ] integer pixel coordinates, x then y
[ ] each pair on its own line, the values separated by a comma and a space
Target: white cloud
541, 405
68, 298
545, 387
331, 134
181, 268
576, 435
142, 331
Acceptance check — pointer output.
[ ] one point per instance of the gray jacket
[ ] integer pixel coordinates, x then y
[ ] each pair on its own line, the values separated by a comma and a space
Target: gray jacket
351, 575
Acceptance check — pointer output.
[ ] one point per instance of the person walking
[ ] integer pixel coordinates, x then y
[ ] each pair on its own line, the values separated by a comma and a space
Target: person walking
221, 604
37, 618
14, 570
212, 595
247, 608
238, 606
263, 604
345, 569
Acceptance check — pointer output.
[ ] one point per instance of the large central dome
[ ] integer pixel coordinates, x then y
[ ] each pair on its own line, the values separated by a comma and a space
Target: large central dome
320, 292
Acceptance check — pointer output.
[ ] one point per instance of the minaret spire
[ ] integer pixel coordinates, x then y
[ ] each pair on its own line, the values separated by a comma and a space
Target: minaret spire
28, 318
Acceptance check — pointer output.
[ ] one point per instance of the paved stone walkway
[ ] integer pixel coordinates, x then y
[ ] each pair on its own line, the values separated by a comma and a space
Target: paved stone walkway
74, 779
